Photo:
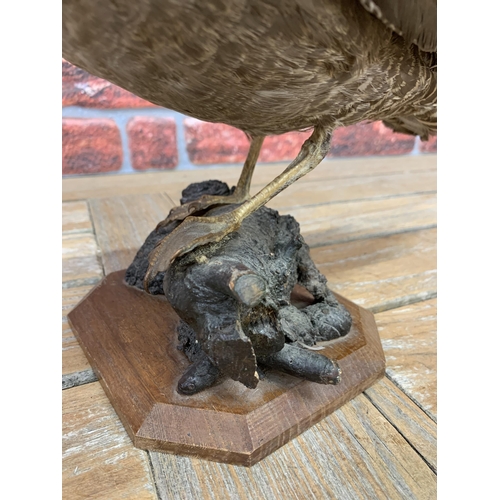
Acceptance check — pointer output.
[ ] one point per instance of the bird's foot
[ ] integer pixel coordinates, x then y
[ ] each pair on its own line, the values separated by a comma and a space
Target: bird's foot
203, 203
190, 234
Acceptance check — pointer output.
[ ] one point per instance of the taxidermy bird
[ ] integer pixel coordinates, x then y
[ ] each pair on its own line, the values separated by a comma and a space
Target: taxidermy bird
266, 67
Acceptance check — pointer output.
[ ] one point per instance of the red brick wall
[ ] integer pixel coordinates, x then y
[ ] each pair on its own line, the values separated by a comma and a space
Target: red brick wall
107, 129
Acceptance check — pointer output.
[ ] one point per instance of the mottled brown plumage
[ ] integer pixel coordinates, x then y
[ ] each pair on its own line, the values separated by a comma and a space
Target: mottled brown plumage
265, 67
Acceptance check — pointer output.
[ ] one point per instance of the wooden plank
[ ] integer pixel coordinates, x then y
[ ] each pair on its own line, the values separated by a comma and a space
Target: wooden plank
354, 453
86, 187
123, 223
76, 217
71, 297
99, 460
80, 263
338, 222
311, 192
73, 358
408, 336
306, 193
382, 273
410, 421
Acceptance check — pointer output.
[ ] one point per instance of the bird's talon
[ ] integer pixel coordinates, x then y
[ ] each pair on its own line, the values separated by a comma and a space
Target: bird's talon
191, 208
190, 234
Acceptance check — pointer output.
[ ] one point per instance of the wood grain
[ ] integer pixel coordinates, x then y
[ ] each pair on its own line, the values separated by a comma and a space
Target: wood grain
354, 453
320, 192
88, 187
130, 339
80, 263
410, 421
123, 223
98, 459
76, 217
338, 222
71, 297
73, 358
381, 273
410, 345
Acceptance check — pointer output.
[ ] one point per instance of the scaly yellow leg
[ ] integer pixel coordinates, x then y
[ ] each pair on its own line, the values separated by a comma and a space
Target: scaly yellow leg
196, 231
241, 193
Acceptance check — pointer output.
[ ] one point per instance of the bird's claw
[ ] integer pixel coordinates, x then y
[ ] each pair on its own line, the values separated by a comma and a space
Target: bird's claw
194, 207
181, 212
190, 234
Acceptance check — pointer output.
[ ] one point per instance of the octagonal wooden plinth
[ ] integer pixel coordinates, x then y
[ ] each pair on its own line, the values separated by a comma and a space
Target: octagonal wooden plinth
130, 339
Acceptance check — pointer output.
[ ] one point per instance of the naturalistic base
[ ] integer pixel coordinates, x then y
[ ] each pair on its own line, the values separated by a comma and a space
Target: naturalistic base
130, 340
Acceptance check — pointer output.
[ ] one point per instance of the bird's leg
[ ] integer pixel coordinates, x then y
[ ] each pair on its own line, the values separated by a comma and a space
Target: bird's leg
196, 231
241, 193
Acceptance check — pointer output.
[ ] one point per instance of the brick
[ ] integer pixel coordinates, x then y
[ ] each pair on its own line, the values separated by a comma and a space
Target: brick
80, 88
209, 143
429, 146
152, 142
369, 139
283, 147
212, 143
90, 146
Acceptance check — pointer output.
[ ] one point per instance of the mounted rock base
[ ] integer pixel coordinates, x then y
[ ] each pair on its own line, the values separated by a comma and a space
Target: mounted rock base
130, 338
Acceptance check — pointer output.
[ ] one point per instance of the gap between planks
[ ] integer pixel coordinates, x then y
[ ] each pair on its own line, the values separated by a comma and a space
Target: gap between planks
410, 396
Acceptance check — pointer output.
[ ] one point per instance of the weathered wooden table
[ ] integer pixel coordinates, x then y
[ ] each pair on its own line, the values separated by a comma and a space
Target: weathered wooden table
371, 224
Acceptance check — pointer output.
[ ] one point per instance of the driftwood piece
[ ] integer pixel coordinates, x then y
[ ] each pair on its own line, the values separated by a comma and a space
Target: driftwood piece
234, 298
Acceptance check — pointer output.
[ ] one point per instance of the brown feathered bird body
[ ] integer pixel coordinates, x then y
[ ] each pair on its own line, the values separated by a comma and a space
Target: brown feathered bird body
266, 66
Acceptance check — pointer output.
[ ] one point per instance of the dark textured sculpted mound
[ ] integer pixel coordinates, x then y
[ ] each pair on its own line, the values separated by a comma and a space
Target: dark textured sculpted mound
234, 299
